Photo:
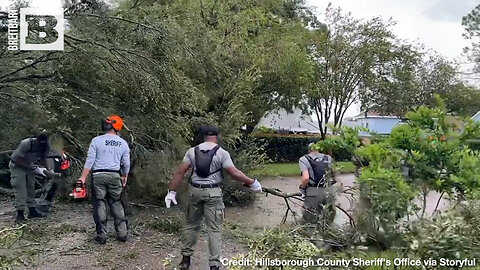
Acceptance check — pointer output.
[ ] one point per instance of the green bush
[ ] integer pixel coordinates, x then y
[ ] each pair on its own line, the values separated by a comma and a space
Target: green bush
446, 236
286, 148
290, 148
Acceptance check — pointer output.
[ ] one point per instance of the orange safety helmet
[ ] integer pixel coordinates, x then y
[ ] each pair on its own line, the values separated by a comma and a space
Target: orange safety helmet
113, 121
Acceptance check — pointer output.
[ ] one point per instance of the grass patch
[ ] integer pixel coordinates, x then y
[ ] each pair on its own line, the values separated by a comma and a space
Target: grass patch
292, 169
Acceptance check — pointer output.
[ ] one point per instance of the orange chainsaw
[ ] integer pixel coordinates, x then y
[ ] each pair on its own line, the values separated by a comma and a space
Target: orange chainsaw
79, 191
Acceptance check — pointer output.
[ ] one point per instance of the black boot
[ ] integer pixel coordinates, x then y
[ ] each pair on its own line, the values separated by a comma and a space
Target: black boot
101, 239
185, 264
20, 217
33, 213
214, 268
122, 238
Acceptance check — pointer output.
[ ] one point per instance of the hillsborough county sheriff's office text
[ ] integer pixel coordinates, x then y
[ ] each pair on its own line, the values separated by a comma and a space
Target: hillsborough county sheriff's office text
345, 263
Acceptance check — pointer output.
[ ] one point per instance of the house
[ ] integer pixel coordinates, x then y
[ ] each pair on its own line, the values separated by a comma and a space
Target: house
295, 122
375, 122
299, 123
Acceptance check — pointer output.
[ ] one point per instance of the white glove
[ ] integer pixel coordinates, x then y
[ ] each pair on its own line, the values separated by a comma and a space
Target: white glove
40, 171
170, 198
255, 186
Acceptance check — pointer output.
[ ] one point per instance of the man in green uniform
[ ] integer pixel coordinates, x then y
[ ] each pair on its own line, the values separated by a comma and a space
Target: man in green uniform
207, 161
109, 161
27, 161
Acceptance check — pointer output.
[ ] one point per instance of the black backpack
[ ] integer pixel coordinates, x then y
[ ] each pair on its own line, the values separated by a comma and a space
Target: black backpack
203, 159
319, 167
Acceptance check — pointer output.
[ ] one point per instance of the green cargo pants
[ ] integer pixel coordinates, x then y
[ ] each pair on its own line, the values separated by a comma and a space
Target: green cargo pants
316, 199
208, 203
108, 187
23, 184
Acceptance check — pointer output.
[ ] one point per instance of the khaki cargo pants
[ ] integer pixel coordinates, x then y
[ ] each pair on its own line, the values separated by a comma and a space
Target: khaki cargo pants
107, 187
208, 203
316, 199
23, 184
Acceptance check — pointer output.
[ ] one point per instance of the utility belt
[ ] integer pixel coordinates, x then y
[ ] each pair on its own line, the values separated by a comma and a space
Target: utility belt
322, 185
105, 171
204, 185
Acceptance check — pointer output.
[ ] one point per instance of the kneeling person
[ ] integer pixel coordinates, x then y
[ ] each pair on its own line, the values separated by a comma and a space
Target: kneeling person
207, 161
26, 162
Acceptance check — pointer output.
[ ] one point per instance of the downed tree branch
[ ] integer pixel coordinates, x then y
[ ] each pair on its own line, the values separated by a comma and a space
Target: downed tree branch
6, 152
294, 195
69, 137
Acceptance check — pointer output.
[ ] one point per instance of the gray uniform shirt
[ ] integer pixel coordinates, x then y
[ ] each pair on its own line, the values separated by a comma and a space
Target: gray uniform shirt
108, 152
28, 149
305, 165
221, 159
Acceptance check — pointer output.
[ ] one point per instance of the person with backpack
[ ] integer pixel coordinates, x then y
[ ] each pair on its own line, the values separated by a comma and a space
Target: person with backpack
108, 159
26, 162
316, 170
207, 161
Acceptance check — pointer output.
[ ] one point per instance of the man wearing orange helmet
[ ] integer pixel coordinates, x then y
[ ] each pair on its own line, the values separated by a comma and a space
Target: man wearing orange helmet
109, 161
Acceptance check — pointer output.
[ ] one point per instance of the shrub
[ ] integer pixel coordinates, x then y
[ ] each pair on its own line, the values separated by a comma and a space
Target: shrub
286, 148
446, 236
281, 243
290, 148
389, 197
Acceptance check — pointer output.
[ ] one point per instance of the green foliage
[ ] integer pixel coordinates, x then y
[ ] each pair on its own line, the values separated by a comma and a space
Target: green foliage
151, 176
405, 137
172, 224
465, 171
471, 23
389, 194
340, 146
444, 236
351, 52
285, 148
380, 155
279, 243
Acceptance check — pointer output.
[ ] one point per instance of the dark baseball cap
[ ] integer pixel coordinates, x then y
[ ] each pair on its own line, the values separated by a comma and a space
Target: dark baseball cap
209, 130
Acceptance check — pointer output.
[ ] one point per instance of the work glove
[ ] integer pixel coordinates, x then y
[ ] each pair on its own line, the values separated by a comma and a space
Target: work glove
255, 186
303, 191
170, 198
40, 171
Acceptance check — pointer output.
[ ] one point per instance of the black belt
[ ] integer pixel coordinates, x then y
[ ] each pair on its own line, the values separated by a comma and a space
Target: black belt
204, 185
105, 170
317, 186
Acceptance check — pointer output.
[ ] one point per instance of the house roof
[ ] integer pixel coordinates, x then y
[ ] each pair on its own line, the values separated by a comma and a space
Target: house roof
476, 116
372, 114
295, 121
